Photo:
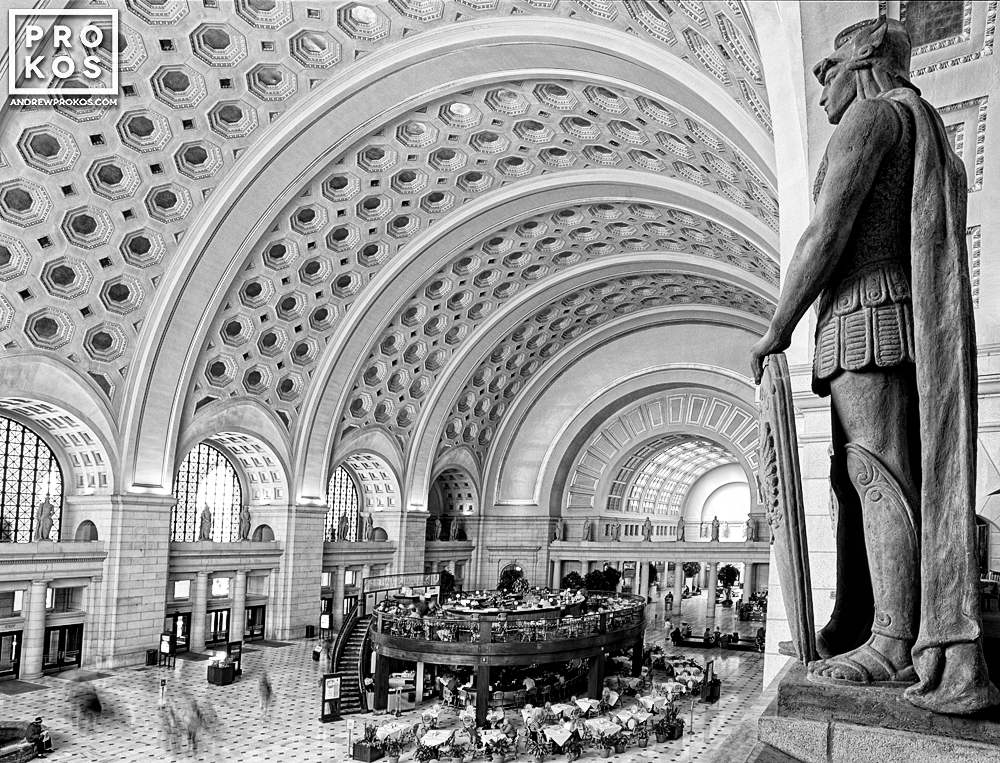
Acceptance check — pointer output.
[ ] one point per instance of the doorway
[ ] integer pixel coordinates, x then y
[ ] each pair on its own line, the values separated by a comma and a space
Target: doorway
10, 654
179, 624
62, 648
254, 626
217, 630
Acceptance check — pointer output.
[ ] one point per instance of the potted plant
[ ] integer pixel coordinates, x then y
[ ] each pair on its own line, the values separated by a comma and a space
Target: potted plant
641, 735
394, 746
368, 748
456, 749
573, 748
498, 749
536, 747
661, 728
606, 743
425, 753
370, 694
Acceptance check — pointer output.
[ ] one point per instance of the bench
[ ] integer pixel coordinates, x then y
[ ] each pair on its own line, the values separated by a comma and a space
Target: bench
13, 747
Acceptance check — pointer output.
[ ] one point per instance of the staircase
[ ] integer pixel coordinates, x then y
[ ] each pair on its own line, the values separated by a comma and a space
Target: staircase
349, 652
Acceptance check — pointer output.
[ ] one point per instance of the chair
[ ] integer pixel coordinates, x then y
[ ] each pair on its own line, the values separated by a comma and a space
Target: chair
520, 698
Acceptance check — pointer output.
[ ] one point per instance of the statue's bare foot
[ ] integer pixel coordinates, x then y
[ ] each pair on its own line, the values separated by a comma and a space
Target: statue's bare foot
881, 660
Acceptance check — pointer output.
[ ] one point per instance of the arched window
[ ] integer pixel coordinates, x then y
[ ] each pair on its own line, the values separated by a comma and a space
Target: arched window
29, 477
343, 501
206, 478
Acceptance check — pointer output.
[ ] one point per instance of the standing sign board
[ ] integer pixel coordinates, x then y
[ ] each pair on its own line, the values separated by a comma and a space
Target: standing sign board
167, 649
234, 653
330, 701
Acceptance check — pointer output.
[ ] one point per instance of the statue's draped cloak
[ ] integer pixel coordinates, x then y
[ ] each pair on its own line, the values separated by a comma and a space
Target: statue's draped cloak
948, 653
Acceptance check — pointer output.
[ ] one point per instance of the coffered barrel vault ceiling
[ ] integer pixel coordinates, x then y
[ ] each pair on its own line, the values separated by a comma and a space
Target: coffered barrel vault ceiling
95, 203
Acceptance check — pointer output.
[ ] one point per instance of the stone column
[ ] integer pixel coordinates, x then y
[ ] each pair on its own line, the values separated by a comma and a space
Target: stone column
678, 586
747, 581
366, 570
199, 607
296, 589
556, 572
338, 596
237, 616
34, 629
713, 579
91, 596
643, 582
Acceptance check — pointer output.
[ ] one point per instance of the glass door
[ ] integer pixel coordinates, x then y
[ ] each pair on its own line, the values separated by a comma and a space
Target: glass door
10, 654
350, 602
62, 647
217, 630
254, 627
179, 624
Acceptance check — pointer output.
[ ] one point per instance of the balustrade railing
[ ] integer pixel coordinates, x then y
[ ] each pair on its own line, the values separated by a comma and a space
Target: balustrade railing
626, 612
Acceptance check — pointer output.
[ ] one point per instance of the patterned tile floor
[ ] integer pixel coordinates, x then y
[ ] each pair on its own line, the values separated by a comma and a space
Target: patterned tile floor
135, 730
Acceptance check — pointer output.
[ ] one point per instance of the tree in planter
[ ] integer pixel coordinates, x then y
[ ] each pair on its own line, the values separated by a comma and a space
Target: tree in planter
612, 576
728, 575
510, 579
447, 585
595, 581
572, 580
691, 569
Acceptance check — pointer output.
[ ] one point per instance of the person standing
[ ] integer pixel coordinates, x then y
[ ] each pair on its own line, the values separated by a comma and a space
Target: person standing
266, 695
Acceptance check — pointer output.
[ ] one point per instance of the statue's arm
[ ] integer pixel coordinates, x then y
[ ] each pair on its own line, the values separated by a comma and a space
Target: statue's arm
869, 129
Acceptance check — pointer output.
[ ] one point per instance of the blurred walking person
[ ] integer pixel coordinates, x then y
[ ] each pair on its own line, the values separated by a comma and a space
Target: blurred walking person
266, 695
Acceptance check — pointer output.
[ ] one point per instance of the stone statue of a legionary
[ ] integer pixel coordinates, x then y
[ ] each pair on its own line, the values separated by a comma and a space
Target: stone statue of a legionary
885, 255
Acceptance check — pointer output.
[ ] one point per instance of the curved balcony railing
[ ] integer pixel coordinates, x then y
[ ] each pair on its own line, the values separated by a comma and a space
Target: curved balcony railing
606, 614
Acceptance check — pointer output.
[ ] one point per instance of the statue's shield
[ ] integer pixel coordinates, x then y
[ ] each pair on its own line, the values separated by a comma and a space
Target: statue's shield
780, 486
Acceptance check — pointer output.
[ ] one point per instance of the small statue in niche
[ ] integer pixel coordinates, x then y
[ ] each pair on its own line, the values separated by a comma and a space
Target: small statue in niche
369, 531
43, 522
647, 530
205, 530
588, 529
453, 529
616, 530
460, 532
342, 528
751, 530
715, 528
680, 530
244, 523
557, 529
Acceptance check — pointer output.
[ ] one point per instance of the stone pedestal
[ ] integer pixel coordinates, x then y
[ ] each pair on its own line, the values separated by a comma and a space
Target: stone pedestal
819, 723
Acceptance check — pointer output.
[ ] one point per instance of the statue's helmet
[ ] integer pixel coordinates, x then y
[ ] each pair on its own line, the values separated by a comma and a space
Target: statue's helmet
881, 43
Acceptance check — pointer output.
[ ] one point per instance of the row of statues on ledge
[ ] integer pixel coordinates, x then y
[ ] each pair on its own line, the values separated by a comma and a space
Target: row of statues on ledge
559, 530
343, 529
437, 531
42, 529
205, 524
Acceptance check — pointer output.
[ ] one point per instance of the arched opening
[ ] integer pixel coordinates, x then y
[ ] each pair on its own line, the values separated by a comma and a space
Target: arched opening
262, 533
343, 515
453, 497
87, 531
209, 496
31, 486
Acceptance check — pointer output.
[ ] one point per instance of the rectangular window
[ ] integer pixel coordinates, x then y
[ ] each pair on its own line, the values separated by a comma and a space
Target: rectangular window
220, 586
257, 585
350, 577
50, 598
325, 580
182, 589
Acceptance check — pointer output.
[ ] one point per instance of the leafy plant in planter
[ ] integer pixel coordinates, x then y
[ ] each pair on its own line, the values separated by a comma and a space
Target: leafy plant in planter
425, 753
606, 742
368, 748
668, 726
573, 748
457, 750
641, 735
536, 747
498, 749
394, 746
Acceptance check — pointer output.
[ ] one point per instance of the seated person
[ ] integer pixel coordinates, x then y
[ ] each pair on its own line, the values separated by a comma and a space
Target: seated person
529, 684
35, 734
736, 636
707, 636
675, 636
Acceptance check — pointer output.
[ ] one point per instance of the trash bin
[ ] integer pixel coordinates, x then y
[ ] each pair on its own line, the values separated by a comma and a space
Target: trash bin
151, 657
310, 631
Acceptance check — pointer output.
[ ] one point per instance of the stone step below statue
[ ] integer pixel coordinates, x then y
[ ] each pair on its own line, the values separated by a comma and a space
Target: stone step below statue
819, 723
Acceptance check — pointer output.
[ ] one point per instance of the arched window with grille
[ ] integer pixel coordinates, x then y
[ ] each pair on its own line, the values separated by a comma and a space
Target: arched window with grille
31, 484
343, 501
206, 478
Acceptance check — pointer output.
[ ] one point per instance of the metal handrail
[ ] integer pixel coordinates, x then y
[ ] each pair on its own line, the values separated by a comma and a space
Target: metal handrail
345, 630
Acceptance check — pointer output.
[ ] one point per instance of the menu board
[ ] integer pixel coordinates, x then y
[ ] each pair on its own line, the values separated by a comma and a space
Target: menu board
331, 688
